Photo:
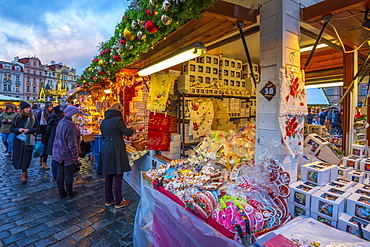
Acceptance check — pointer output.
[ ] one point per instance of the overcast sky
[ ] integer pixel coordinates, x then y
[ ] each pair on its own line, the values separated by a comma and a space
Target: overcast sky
66, 31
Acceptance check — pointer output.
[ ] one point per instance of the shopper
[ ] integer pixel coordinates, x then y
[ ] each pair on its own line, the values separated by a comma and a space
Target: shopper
35, 109
322, 116
65, 151
7, 137
113, 159
51, 127
42, 117
24, 123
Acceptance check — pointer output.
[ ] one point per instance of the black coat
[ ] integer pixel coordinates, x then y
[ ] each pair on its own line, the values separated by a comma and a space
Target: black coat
51, 127
22, 154
113, 157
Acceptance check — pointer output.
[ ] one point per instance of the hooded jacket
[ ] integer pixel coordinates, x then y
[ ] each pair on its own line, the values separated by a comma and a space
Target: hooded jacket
51, 127
5, 127
113, 157
66, 145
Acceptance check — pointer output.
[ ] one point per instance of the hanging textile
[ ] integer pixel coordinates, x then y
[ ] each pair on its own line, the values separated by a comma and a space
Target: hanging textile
293, 107
159, 132
160, 85
221, 120
201, 116
292, 129
292, 93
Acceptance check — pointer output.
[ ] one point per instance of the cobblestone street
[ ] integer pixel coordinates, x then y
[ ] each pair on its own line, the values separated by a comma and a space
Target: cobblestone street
33, 214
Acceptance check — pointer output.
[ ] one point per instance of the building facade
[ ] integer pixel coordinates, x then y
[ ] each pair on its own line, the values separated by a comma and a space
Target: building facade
59, 79
34, 77
11, 79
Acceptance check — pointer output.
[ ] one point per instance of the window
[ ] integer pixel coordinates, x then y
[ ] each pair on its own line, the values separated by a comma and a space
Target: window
28, 88
10, 87
34, 63
34, 80
5, 87
28, 98
34, 98
34, 72
329, 91
28, 71
40, 73
40, 81
17, 88
28, 79
17, 78
34, 89
363, 90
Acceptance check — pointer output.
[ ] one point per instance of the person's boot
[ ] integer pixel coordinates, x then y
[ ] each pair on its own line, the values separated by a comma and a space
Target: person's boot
45, 166
24, 177
40, 162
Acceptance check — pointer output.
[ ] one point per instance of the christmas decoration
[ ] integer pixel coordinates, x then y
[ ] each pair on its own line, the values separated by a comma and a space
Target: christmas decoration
133, 25
129, 47
166, 20
150, 27
166, 4
152, 2
141, 35
128, 35
151, 13
140, 23
122, 41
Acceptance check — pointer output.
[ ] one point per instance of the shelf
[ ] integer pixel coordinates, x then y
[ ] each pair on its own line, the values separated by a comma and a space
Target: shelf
218, 95
191, 143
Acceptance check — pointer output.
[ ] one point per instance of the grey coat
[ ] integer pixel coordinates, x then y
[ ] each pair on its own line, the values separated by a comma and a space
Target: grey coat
113, 157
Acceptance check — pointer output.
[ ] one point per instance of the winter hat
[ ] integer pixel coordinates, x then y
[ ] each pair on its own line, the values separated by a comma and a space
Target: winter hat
70, 111
24, 105
57, 109
47, 104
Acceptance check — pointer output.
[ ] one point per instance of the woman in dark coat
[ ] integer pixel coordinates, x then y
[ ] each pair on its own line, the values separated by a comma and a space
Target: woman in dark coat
113, 159
66, 149
42, 117
51, 127
26, 123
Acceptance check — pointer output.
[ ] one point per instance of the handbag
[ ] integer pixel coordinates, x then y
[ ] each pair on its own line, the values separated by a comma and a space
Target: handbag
38, 149
22, 137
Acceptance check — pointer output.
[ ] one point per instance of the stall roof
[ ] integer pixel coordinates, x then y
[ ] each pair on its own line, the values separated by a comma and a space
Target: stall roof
8, 98
214, 23
317, 96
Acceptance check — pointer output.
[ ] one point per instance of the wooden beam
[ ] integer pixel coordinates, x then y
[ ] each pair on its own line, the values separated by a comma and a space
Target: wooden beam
348, 60
236, 12
313, 35
317, 11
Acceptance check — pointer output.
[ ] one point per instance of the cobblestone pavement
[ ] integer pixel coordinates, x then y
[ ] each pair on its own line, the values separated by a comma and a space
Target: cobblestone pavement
33, 214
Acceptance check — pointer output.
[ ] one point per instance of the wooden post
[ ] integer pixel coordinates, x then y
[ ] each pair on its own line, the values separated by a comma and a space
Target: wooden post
348, 72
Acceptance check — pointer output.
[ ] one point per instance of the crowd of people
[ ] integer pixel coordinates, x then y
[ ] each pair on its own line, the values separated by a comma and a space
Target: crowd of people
55, 127
331, 118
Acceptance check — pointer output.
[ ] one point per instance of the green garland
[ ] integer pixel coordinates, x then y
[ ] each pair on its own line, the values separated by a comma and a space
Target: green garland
115, 55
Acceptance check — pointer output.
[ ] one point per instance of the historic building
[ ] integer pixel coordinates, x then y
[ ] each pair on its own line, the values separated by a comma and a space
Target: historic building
58, 80
34, 76
11, 79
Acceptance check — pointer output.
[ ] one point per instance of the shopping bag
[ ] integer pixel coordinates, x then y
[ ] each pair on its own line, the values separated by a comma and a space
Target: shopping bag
22, 137
38, 149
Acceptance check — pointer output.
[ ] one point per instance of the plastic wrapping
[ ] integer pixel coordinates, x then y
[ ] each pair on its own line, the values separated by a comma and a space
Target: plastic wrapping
159, 221
306, 230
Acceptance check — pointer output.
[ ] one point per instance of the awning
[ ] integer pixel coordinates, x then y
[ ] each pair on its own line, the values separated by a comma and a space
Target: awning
317, 96
72, 91
8, 98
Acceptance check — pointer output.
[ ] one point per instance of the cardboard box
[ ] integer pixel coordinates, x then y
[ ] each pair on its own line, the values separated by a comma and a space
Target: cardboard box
342, 183
360, 191
315, 143
328, 204
301, 193
189, 67
239, 65
359, 206
352, 161
343, 171
296, 210
319, 172
365, 165
348, 223
337, 191
326, 154
322, 218
363, 186
317, 129
225, 62
356, 176
359, 150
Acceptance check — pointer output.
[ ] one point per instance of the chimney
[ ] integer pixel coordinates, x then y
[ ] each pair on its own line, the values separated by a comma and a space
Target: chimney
52, 62
16, 59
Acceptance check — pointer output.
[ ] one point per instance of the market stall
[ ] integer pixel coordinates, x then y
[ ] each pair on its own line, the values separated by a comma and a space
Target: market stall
195, 155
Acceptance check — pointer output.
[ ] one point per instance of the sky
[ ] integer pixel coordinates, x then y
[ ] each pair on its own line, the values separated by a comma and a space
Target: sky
66, 31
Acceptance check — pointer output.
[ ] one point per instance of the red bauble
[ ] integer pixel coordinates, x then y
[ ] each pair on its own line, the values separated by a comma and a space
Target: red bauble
78, 85
150, 13
100, 72
96, 60
102, 53
116, 58
122, 41
150, 27
107, 51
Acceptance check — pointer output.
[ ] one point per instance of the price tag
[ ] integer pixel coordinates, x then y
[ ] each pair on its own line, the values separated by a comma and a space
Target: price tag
269, 90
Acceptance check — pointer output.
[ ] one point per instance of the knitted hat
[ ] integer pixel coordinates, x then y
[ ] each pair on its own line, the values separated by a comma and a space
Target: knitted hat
24, 105
70, 111
57, 109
